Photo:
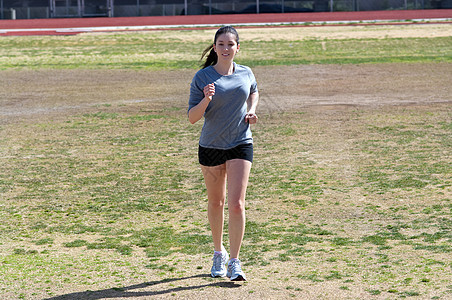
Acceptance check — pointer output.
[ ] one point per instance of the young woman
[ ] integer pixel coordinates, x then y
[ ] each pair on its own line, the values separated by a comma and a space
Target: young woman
225, 93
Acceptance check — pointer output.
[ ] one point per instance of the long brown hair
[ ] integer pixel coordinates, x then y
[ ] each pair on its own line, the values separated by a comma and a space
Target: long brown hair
212, 58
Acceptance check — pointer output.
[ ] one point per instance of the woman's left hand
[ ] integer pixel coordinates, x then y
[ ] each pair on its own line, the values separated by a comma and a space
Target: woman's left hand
251, 118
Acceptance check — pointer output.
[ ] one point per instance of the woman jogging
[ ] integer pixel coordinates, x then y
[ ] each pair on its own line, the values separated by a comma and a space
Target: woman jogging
225, 93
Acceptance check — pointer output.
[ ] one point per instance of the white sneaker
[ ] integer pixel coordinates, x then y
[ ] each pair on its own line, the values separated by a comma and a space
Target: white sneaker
235, 271
219, 264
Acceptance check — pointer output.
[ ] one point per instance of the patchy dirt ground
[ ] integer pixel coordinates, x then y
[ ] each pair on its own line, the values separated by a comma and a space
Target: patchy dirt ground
296, 33
327, 91
31, 95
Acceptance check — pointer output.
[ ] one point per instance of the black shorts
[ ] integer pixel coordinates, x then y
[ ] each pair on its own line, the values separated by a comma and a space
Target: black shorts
214, 157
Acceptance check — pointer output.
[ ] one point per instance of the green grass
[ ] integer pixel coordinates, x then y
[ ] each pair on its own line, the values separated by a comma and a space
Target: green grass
117, 182
155, 51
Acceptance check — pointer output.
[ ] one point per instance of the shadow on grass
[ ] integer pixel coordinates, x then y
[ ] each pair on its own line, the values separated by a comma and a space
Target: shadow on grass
128, 292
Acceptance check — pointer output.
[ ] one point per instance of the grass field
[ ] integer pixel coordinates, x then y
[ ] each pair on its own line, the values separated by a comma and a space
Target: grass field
345, 201
180, 49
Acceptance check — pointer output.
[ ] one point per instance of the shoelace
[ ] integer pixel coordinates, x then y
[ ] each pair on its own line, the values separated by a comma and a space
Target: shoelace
235, 265
217, 260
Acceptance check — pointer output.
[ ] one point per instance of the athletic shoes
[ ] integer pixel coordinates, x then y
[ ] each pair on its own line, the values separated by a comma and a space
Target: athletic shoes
219, 264
235, 272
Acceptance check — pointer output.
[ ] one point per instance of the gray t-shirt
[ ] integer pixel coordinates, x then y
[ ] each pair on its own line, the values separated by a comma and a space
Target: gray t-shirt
224, 119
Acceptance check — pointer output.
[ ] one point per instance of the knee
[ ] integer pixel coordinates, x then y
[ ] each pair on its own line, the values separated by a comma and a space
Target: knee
217, 202
236, 207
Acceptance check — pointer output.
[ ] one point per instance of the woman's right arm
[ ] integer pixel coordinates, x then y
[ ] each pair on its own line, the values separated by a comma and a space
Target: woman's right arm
196, 112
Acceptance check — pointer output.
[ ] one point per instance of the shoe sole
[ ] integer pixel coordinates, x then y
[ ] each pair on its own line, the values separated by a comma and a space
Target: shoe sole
239, 278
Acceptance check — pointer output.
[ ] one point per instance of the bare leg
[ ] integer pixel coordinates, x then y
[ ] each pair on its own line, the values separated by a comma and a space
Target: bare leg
238, 172
215, 179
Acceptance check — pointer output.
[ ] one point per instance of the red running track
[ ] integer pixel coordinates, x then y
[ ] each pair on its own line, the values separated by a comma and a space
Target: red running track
74, 23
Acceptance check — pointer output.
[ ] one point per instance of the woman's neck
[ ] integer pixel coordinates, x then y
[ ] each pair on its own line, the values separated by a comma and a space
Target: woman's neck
224, 68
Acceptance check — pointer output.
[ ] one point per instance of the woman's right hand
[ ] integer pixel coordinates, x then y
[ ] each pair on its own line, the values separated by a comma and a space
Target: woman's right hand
196, 112
209, 91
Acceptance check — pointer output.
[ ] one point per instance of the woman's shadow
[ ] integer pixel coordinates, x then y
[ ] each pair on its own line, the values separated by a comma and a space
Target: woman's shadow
128, 292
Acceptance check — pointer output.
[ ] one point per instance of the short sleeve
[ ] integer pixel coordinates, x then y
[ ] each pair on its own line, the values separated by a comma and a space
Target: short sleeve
196, 92
253, 87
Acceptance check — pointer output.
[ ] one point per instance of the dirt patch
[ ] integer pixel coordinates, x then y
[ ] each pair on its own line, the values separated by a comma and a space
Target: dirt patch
51, 93
296, 33
374, 85
348, 32
31, 95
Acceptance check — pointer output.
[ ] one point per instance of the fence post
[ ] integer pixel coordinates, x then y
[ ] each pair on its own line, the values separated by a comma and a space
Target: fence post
111, 9
13, 14
79, 9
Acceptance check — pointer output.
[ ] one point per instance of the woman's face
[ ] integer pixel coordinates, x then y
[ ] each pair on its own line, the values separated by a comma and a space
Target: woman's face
226, 46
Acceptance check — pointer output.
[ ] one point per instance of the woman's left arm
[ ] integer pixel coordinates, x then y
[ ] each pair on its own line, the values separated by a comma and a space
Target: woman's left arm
251, 104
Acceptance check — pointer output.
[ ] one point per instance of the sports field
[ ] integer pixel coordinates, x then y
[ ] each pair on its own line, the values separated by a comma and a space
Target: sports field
101, 196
